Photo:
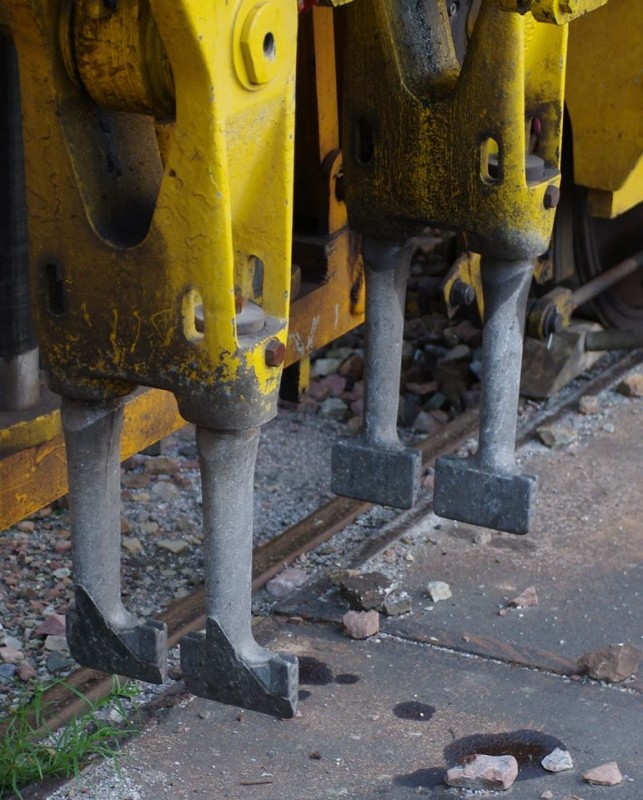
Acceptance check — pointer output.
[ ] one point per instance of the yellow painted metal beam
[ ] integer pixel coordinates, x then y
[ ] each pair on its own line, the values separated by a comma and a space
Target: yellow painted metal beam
37, 475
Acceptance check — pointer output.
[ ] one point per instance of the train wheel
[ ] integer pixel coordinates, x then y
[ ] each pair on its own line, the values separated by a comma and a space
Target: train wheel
600, 244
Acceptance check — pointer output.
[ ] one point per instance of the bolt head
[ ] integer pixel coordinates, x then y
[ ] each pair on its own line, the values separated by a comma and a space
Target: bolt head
551, 197
275, 353
462, 293
261, 41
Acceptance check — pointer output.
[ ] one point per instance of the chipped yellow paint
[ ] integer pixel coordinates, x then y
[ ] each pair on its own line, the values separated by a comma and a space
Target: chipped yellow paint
194, 217
29, 433
435, 170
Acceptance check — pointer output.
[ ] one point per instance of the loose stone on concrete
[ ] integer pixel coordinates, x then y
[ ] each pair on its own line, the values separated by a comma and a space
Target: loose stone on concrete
556, 435
482, 537
484, 772
526, 598
361, 624
557, 761
614, 663
438, 590
286, 581
605, 775
397, 602
366, 591
632, 386
547, 795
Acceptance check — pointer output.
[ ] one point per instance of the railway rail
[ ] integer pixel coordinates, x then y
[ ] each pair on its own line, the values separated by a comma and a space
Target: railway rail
68, 700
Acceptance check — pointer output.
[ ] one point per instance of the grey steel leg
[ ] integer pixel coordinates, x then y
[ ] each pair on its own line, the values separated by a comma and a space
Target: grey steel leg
487, 488
374, 465
225, 663
20, 381
102, 634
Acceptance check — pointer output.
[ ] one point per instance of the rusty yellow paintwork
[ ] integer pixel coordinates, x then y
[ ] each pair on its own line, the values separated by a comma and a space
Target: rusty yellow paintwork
37, 475
604, 96
465, 268
124, 245
424, 130
556, 12
29, 433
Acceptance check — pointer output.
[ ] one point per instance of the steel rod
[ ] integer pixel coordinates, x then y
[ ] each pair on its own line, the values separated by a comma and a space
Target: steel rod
607, 279
613, 340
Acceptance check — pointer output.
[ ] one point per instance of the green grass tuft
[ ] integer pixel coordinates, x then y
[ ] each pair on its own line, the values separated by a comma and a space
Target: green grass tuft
29, 751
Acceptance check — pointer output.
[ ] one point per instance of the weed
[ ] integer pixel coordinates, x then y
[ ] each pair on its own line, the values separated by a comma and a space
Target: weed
30, 751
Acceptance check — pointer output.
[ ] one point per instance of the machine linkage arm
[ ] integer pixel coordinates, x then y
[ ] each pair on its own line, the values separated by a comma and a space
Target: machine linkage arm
159, 174
433, 142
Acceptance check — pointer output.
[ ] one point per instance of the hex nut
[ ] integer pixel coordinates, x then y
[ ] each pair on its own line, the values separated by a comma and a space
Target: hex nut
275, 353
259, 42
551, 197
462, 293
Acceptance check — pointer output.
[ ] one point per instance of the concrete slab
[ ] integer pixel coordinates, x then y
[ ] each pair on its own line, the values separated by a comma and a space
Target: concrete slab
381, 719
385, 717
584, 557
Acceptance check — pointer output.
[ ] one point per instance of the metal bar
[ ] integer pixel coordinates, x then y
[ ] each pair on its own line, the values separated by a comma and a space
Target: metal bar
505, 286
100, 631
613, 340
20, 381
92, 435
20, 374
607, 279
374, 465
386, 270
227, 462
487, 488
225, 662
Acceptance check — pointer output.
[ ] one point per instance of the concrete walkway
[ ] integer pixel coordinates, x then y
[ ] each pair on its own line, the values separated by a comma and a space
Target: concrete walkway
383, 718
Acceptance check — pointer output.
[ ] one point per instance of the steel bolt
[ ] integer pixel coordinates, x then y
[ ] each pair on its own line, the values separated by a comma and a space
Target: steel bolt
553, 321
551, 197
275, 353
462, 294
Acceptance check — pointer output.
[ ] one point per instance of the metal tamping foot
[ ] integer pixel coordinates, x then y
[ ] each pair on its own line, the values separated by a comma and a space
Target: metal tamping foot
487, 488
101, 633
224, 662
374, 465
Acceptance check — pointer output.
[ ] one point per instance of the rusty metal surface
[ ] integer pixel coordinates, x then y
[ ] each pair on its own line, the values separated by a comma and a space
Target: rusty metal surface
354, 738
